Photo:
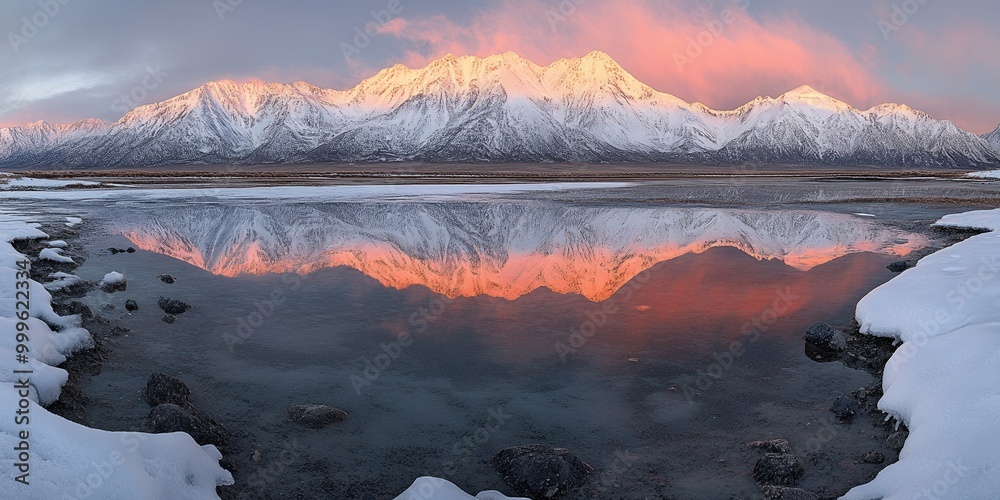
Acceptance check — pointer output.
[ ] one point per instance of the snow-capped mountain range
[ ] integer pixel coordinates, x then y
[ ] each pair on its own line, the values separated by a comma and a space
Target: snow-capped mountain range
501, 108
500, 250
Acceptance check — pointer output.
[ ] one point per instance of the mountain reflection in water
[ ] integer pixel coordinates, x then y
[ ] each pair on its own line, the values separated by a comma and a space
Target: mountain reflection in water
498, 250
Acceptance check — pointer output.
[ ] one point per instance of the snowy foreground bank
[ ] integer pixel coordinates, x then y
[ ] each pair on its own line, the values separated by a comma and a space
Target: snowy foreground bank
944, 381
45, 456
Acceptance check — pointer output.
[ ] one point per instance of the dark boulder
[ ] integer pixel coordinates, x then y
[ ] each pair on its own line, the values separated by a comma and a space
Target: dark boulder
166, 278
541, 472
316, 416
846, 407
899, 266
130, 250
169, 318
162, 388
131, 305
169, 417
826, 337
172, 306
779, 466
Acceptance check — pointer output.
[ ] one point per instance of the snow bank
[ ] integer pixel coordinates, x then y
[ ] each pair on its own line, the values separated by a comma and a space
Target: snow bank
10, 181
68, 460
55, 255
73, 221
942, 382
987, 174
432, 488
58, 244
61, 280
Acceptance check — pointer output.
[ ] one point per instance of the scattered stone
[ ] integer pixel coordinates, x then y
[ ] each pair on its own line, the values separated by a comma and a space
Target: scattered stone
118, 330
896, 440
873, 457
898, 266
846, 407
168, 417
255, 456
316, 416
541, 472
113, 250
131, 305
113, 282
772, 492
826, 337
172, 306
162, 388
130, 250
166, 278
169, 318
108, 307
779, 466
121, 250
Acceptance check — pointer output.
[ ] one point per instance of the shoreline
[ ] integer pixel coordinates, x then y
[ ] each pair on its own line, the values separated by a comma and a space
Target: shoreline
82, 363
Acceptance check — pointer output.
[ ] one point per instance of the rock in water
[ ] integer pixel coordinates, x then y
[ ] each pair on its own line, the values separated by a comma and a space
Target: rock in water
113, 282
172, 306
541, 472
899, 266
826, 337
162, 388
785, 493
316, 416
169, 318
846, 407
166, 278
779, 466
169, 417
131, 305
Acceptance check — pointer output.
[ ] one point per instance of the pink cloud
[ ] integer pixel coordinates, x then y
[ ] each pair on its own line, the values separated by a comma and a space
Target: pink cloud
722, 58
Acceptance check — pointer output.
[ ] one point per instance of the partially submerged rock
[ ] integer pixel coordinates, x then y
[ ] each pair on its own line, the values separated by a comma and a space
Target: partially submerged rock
131, 305
113, 282
826, 337
166, 278
169, 417
316, 416
899, 266
541, 472
172, 306
846, 407
168, 318
162, 388
779, 466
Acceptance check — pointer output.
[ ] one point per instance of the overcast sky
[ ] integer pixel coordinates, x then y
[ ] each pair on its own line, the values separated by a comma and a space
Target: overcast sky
65, 60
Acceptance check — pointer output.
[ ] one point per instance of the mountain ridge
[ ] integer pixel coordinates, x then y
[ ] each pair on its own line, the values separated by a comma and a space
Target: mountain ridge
501, 108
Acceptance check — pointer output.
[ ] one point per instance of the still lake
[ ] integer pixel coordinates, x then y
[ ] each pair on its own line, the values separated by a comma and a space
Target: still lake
652, 341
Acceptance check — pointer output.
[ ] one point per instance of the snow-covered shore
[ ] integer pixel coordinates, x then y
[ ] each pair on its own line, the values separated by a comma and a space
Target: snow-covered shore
942, 382
48, 457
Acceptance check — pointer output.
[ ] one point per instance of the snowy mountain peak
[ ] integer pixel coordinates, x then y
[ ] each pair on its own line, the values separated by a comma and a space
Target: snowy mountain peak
501, 108
814, 98
993, 139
